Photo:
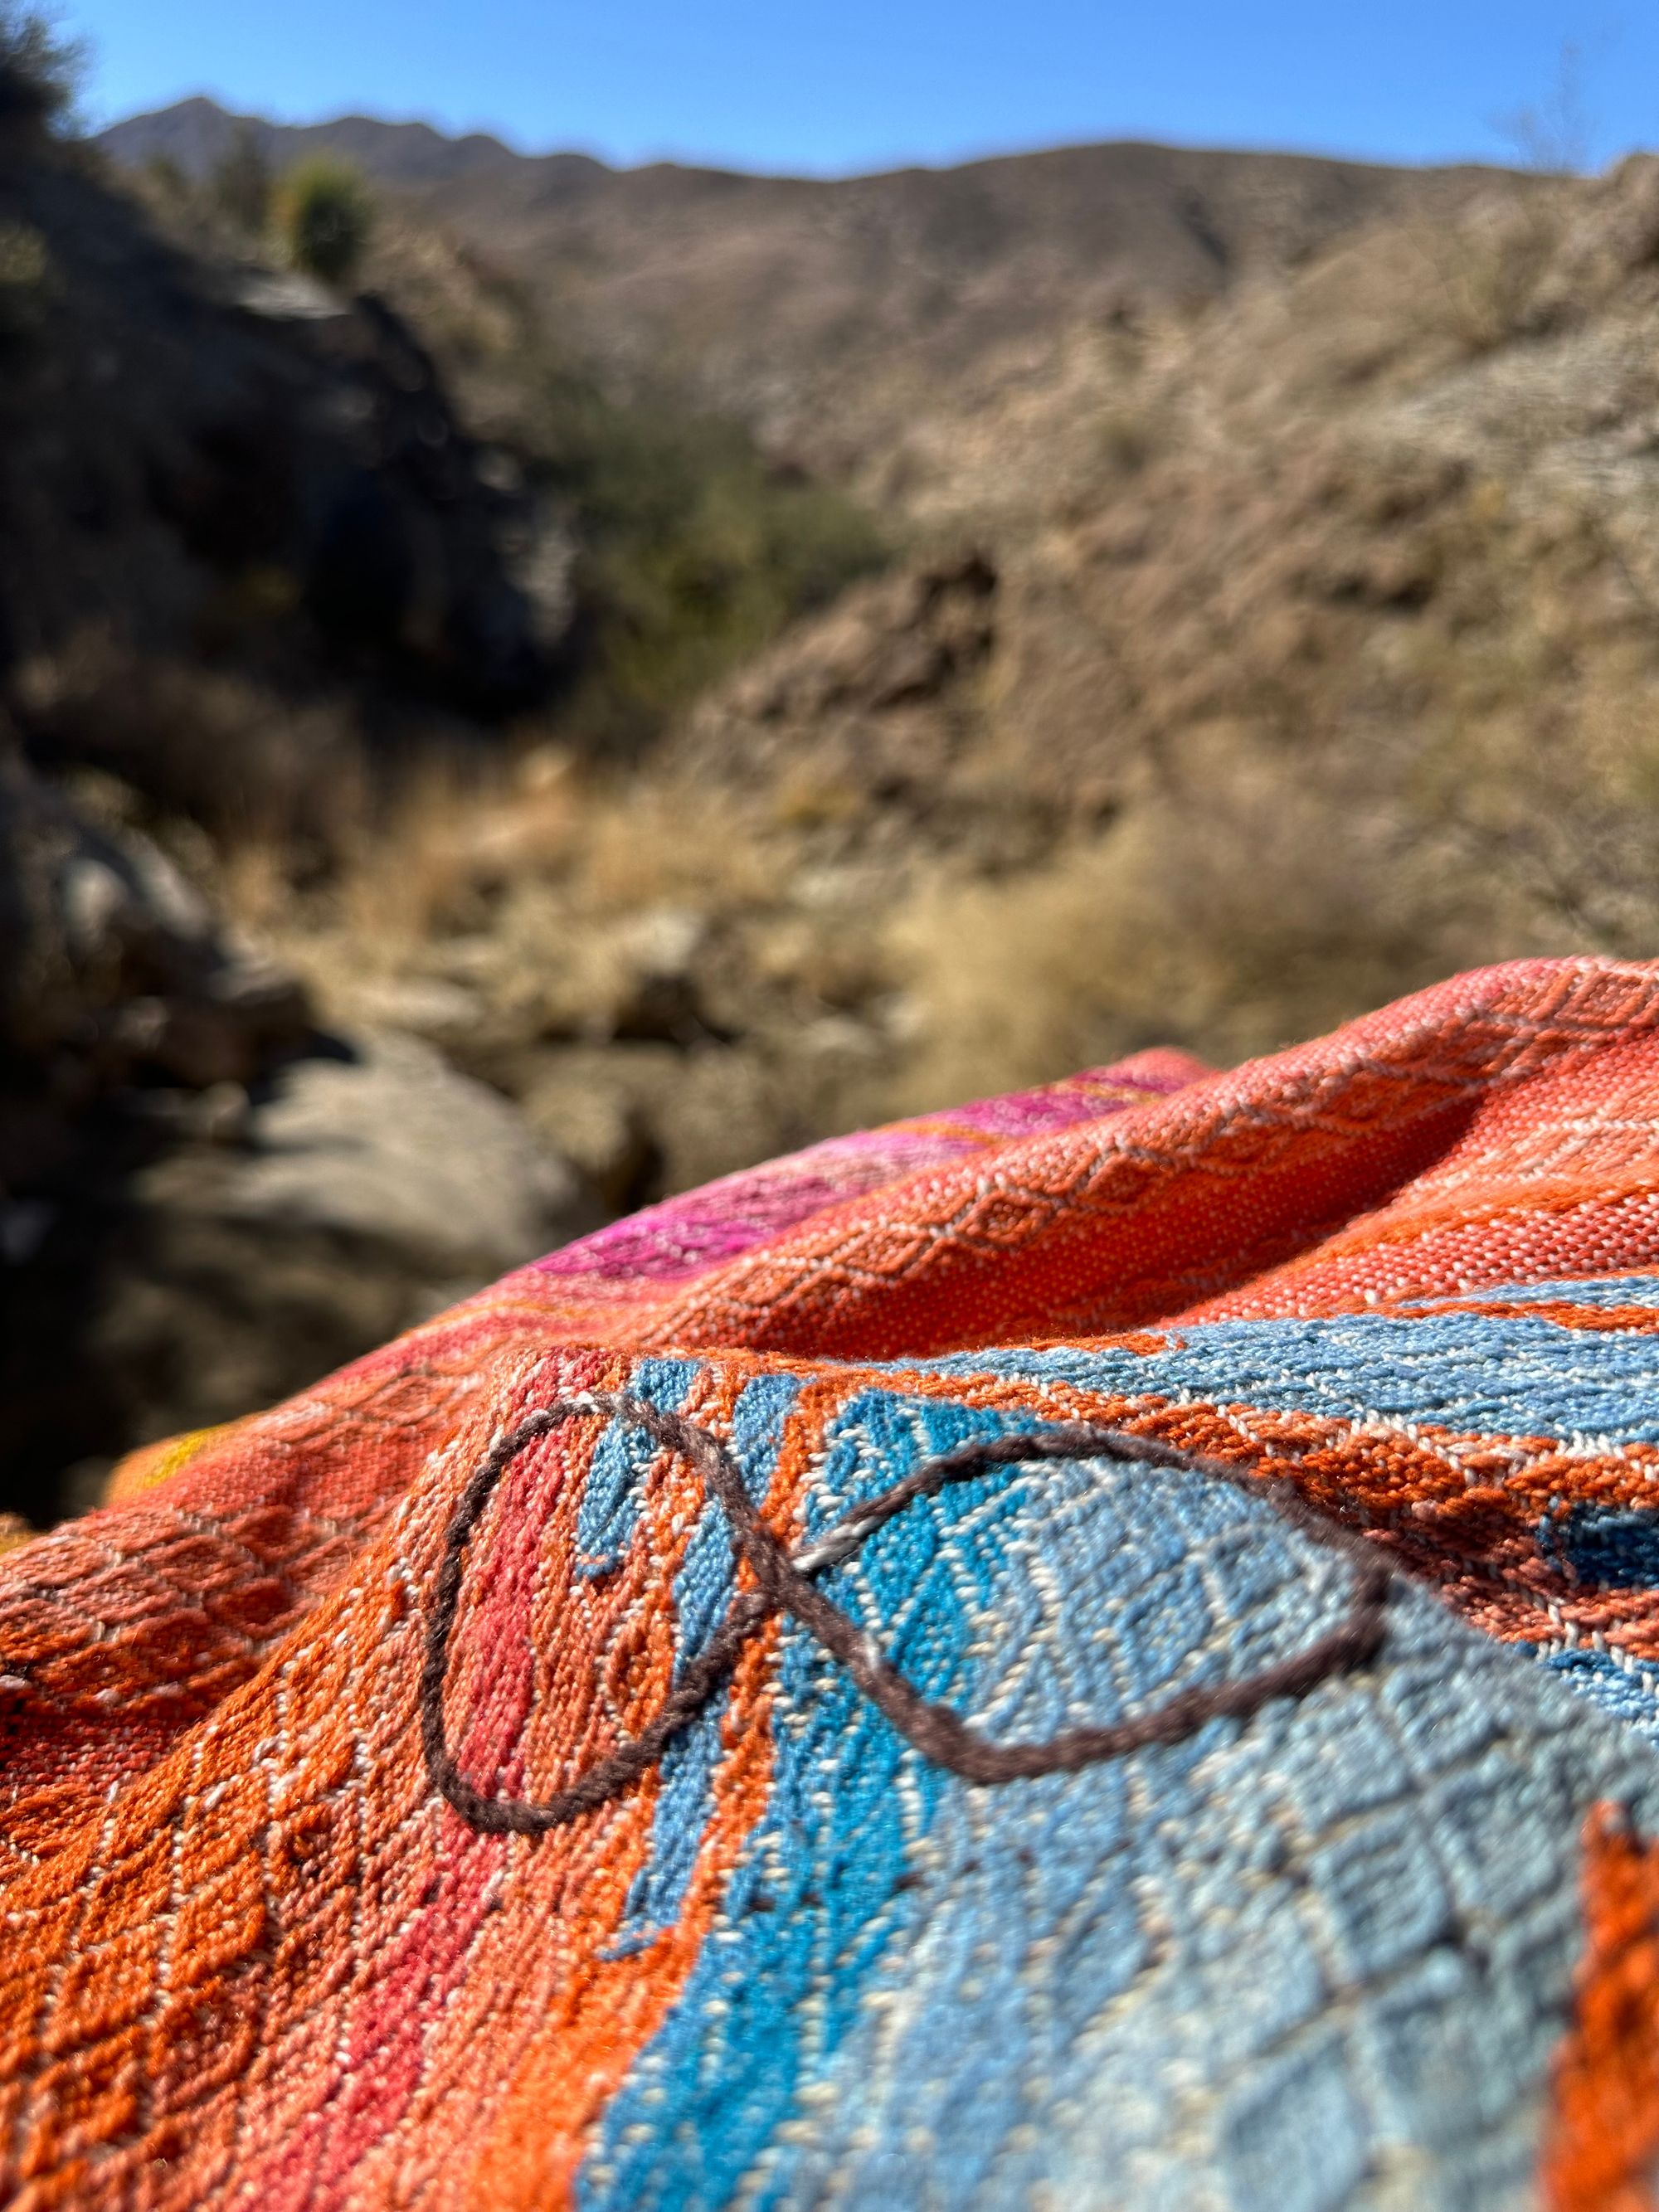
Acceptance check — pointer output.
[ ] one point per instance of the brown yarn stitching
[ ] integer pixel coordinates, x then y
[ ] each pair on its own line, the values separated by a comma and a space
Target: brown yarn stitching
784, 1586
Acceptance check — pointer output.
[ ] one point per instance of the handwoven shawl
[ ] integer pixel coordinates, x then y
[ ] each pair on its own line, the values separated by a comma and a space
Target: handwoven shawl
1097, 1649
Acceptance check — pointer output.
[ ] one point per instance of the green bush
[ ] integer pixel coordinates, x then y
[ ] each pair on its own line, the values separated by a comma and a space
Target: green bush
40, 69
694, 551
324, 213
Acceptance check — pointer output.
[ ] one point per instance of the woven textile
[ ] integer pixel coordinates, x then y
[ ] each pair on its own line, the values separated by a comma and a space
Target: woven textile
1389, 1938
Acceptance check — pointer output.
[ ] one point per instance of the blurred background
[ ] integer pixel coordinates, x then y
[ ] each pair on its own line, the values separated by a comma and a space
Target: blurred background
732, 578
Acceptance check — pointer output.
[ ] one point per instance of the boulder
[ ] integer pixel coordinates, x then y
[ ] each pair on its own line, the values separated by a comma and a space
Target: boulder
382, 1139
369, 1186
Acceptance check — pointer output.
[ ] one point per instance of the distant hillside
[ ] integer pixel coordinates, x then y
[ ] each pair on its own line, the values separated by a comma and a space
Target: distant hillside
824, 310
197, 133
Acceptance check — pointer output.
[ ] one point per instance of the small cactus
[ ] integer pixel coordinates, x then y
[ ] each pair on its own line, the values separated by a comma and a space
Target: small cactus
323, 216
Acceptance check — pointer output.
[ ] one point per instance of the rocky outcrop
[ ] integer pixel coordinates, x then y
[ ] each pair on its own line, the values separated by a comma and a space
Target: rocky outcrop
213, 477
864, 709
204, 1203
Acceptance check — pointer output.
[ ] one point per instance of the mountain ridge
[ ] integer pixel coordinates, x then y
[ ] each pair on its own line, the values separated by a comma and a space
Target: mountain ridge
198, 131
197, 127
825, 312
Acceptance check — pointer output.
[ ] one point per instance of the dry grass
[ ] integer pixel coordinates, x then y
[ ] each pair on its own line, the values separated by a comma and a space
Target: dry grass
1481, 273
408, 872
533, 857
1232, 928
402, 866
647, 844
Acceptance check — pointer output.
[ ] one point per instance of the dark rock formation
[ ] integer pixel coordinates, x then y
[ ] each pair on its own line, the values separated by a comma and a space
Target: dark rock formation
210, 474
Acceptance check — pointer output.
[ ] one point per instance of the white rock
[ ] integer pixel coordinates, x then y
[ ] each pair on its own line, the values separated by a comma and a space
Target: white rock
394, 1145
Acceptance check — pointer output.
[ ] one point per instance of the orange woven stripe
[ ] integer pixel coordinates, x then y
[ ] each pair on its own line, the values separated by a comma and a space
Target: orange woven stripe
1603, 2142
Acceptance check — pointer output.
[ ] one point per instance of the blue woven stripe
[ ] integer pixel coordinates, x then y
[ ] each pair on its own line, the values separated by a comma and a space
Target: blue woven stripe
703, 1591
610, 1508
1249, 1970
1483, 1374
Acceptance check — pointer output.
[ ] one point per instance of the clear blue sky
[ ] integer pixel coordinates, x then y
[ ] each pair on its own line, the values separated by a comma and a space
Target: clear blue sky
806, 86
